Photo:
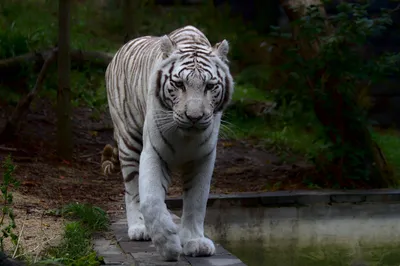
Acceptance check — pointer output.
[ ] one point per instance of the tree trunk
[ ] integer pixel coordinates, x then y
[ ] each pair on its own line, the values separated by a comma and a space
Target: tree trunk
339, 116
64, 123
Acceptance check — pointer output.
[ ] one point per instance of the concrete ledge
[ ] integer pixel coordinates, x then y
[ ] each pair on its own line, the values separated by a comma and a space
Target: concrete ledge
297, 198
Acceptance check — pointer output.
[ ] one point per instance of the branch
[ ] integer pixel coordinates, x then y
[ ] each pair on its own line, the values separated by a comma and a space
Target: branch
10, 66
23, 105
19, 238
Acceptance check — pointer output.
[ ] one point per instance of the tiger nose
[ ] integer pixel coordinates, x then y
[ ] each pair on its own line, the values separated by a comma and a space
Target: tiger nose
194, 117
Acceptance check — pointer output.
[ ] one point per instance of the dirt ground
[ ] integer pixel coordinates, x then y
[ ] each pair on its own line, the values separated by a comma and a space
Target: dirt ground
48, 183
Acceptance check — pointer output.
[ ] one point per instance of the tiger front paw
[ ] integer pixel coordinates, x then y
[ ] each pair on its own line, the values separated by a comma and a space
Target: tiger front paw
138, 232
167, 242
199, 247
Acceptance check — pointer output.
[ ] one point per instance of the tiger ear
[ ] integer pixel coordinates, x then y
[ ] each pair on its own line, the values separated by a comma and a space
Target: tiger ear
167, 46
221, 49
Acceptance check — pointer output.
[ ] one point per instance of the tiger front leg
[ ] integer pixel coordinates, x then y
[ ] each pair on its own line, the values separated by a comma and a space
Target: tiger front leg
196, 190
153, 185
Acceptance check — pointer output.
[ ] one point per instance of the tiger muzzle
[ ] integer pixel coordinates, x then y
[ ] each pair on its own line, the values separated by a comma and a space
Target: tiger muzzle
195, 111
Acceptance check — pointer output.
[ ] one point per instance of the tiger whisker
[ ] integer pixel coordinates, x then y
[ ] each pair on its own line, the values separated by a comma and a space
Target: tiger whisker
165, 128
227, 131
226, 122
158, 111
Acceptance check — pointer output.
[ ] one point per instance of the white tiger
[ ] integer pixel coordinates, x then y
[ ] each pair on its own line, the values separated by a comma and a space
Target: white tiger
166, 96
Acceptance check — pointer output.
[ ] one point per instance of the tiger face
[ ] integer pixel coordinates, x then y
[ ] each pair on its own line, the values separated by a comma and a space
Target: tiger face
194, 83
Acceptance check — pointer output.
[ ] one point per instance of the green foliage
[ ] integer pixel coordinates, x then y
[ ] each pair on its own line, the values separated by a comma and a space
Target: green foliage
13, 43
284, 139
253, 76
248, 92
23, 32
76, 248
326, 253
97, 26
7, 227
336, 74
94, 218
389, 142
87, 87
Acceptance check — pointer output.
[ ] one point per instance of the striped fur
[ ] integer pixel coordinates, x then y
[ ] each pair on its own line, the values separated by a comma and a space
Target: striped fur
166, 96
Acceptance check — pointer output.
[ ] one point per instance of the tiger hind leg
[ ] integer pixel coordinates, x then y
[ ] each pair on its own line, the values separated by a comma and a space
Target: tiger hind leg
129, 160
136, 227
112, 161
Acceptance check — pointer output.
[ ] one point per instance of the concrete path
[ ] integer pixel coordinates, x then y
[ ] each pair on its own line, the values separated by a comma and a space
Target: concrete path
117, 250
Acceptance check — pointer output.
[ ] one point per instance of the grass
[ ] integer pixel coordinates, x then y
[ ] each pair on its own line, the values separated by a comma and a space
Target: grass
389, 142
275, 131
75, 248
287, 137
92, 217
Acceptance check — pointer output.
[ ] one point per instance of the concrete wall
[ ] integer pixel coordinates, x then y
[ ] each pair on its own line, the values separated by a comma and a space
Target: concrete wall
344, 224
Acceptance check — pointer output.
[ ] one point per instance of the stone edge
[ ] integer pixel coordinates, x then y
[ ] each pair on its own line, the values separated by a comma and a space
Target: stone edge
118, 250
297, 198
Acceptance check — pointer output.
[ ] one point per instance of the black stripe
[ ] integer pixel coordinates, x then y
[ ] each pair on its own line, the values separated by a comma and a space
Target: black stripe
164, 168
187, 185
123, 152
130, 147
167, 178
164, 187
158, 82
207, 138
137, 127
167, 174
131, 176
226, 93
137, 139
208, 153
126, 165
160, 94
128, 159
183, 69
164, 96
169, 145
136, 198
159, 155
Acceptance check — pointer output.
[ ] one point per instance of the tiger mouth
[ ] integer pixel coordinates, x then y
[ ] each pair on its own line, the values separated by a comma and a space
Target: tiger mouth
192, 129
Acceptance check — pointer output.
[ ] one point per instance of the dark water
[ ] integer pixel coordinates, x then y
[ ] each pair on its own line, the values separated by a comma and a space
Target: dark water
256, 254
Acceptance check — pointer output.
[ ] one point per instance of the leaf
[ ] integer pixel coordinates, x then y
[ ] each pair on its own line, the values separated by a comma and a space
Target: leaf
93, 133
227, 144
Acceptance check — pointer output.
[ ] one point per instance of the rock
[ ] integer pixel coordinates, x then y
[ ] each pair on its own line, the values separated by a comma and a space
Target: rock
7, 261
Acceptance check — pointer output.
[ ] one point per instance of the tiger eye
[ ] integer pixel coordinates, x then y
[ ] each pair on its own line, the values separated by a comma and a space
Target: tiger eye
210, 86
178, 84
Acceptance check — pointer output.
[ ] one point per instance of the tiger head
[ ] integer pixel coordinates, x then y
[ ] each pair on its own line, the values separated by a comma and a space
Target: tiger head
193, 83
